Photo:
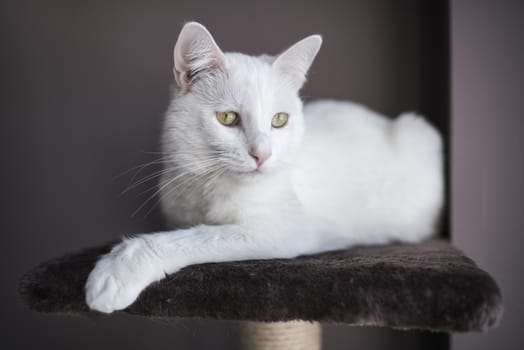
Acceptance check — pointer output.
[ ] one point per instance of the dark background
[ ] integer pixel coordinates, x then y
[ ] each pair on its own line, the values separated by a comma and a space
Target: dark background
84, 85
487, 168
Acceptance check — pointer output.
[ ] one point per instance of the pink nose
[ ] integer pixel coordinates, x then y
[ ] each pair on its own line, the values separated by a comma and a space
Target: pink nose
259, 156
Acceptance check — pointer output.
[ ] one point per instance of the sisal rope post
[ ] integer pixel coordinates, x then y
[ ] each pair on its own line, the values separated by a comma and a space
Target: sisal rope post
292, 335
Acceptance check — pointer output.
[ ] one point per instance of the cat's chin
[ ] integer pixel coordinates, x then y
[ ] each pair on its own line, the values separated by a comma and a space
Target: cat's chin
250, 175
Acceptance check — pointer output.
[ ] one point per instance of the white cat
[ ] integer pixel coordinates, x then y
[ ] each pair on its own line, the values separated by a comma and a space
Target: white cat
251, 174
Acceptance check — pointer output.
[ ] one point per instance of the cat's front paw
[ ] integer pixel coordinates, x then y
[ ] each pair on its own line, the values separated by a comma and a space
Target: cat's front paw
120, 276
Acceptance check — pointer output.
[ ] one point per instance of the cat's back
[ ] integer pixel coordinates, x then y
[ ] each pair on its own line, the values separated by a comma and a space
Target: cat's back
331, 124
328, 114
358, 167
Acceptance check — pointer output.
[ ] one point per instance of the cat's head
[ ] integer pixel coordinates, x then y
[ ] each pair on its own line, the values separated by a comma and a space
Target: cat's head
235, 113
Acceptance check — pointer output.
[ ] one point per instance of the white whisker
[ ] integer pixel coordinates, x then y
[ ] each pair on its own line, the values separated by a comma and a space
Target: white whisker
188, 183
194, 171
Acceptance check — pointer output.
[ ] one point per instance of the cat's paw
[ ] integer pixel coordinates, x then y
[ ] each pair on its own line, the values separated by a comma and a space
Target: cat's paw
120, 276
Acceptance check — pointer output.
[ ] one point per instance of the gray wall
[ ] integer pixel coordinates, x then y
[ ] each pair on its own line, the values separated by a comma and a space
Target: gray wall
488, 154
83, 86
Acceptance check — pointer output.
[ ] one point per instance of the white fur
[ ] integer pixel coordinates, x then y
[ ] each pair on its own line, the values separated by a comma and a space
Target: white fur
339, 174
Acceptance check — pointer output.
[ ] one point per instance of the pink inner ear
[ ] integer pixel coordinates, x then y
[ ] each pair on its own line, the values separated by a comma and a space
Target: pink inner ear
182, 80
180, 67
195, 50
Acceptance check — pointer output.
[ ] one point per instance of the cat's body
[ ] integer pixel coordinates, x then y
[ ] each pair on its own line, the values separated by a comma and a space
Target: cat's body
335, 174
381, 179
360, 178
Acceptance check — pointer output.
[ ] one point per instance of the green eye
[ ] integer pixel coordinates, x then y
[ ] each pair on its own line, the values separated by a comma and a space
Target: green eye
228, 118
279, 120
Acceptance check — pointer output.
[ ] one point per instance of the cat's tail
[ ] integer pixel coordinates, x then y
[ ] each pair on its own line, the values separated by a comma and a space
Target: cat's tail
413, 133
420, 149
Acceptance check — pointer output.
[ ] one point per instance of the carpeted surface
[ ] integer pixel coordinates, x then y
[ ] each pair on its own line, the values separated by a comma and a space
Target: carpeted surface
424, 286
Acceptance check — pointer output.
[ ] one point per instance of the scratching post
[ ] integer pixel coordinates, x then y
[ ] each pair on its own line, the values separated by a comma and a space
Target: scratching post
291, 335
425, 286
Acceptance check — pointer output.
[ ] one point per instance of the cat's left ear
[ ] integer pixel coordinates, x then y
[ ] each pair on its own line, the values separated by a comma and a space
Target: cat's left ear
295, 61
195, 52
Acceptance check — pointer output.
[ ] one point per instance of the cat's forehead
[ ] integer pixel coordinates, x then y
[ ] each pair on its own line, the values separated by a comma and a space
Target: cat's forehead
249, 68
253, 79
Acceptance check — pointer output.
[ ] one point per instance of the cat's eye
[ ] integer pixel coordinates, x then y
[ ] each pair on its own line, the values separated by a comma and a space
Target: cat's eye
228, 118
279, 120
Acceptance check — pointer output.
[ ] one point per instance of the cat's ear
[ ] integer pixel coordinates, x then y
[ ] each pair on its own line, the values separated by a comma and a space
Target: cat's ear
295, 61
195, 51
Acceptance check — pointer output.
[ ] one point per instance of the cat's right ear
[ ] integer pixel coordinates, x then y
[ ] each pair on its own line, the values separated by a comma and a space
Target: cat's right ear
195, 52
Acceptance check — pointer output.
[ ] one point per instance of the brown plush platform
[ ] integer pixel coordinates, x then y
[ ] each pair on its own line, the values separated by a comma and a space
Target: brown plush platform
424, 286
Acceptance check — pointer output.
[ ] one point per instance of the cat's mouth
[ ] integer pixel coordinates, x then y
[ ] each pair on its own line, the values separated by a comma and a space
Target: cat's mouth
250, 174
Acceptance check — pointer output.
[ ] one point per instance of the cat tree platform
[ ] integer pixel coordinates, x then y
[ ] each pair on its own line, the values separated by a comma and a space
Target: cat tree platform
430, 286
